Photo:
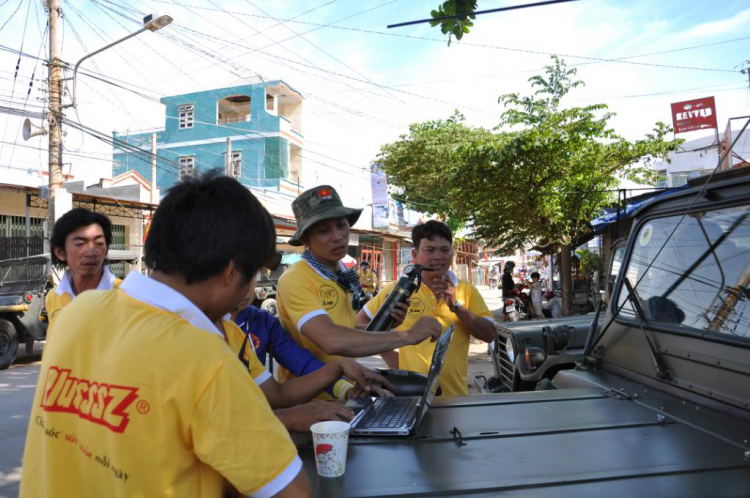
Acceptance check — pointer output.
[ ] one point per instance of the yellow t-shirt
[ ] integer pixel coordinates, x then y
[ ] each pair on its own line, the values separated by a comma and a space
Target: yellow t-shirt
368, 280
60, 296
134, 400
418, 358
303, 294
235, 338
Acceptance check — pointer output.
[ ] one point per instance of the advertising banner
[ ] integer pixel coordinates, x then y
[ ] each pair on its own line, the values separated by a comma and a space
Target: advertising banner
694, 115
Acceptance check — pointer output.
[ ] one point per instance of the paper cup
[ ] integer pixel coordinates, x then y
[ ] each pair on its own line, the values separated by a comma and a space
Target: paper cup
330, 440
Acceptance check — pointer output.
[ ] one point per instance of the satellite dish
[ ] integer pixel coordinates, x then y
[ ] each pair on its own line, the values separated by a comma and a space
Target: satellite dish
31, 130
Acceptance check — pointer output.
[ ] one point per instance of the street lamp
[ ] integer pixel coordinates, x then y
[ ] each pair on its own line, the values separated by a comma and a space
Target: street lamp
150, 23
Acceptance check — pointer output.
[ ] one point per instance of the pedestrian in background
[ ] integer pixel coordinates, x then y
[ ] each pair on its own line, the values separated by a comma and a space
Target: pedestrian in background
80, 242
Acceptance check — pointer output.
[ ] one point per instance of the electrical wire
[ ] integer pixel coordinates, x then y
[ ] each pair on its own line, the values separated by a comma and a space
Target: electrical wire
481, 45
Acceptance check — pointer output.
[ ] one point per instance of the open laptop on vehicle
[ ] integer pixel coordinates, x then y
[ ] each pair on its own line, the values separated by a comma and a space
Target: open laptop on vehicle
401, 416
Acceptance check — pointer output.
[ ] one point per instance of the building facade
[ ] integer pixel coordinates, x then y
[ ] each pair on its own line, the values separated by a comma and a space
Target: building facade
700, 156
251, 131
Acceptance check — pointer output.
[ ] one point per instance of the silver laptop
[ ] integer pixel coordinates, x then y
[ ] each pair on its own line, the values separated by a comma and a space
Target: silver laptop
401, 416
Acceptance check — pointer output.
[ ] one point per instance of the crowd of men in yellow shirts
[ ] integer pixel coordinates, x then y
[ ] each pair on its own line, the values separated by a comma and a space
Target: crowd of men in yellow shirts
152, 385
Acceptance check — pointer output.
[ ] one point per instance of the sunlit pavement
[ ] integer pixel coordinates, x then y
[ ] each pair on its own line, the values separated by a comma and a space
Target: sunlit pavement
17, 385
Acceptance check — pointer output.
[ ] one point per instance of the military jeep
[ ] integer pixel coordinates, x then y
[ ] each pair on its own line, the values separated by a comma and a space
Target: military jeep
657, 405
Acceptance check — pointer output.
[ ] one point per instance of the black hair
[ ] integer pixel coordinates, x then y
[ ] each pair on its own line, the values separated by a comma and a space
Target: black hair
536, 274
72, 221
429, 230
205, 222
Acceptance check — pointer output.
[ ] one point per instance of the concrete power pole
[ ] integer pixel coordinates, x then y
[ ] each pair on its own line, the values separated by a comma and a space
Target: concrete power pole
54, 115
153, 168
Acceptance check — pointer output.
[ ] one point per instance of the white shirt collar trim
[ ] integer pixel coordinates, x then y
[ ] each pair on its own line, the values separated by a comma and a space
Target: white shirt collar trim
66, 287
164, 297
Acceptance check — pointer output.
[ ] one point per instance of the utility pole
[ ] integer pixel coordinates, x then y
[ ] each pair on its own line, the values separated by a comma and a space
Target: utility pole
55, 116
228, 160
153, 168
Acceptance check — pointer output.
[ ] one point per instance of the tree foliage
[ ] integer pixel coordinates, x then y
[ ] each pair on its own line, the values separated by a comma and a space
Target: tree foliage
454, 27
537, 178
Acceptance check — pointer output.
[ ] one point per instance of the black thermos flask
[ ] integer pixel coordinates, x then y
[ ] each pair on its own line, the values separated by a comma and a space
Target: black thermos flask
405, 287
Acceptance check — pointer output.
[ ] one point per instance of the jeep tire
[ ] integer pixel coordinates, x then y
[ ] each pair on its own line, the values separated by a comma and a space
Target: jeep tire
8, 343
270, 306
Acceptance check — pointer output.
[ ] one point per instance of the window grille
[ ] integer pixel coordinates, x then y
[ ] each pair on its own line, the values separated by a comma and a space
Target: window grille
187, 167
186, 116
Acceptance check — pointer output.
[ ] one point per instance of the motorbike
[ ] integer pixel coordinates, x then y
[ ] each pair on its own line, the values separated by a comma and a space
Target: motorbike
521, 296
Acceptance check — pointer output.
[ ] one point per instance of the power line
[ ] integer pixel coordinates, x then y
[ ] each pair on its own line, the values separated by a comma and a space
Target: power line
465, 43
479, 12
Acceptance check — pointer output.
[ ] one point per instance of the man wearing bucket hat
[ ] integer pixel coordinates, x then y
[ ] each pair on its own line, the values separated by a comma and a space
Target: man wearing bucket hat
315, 294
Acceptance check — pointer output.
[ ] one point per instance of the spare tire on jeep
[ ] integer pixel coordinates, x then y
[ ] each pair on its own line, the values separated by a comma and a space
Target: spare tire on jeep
8, 343
270, 306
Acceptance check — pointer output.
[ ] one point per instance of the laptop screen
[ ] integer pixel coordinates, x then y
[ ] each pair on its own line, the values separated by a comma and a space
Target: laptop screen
438, 358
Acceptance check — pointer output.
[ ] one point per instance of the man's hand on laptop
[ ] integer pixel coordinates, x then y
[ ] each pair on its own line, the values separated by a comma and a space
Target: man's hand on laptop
358, 392
299, 418
365, 379
426, 327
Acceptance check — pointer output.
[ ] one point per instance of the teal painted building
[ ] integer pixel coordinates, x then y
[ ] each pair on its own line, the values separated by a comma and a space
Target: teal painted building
262, 121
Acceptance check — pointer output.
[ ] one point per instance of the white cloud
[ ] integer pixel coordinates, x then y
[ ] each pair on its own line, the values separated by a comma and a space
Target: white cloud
724, 26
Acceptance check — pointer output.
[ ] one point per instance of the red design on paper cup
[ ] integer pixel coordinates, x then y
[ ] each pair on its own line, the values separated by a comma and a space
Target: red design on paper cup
323, 449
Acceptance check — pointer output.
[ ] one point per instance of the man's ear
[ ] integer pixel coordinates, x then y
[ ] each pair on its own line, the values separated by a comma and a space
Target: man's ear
228, 274
59, 253
413, 253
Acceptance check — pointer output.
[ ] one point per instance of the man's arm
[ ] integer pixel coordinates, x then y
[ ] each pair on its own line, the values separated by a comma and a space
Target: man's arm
299, 418
344, 341
299, 487
479, 326
285, 350
303, 389
390, 357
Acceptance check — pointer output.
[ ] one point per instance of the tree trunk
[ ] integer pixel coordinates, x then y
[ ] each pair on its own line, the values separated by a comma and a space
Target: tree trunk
566, 281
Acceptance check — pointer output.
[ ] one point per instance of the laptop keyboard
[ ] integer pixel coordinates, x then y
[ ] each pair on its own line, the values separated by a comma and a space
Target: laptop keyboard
388, 413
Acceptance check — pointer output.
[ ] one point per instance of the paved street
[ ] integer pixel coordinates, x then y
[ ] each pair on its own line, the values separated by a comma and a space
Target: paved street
17, 386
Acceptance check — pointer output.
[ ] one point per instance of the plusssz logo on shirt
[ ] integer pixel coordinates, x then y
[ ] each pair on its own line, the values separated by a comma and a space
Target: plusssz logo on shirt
98, 402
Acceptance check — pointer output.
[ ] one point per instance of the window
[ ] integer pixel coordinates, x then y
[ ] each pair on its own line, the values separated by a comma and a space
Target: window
187, 167
234, 109
186, 116
714, 296
235, 166
680, 178
271, 103
661, 179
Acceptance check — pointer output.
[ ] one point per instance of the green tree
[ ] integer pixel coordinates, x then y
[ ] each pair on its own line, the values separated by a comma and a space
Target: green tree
454, 27
538, 178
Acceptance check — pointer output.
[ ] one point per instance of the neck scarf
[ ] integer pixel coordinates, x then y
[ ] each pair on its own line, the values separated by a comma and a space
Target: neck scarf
347, 280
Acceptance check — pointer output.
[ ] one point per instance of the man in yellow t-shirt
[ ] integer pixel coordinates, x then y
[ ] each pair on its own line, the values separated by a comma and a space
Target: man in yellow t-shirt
141, 395
367, 279
315, 295
80, 242
446, 298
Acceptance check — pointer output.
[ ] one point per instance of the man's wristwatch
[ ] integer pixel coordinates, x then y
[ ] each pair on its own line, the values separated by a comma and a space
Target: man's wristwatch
455, 307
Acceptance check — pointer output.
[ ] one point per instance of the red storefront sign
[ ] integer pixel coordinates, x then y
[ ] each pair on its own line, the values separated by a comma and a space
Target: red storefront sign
694, 115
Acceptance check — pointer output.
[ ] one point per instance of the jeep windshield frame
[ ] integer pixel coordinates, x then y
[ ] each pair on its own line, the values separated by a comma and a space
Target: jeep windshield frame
708, 253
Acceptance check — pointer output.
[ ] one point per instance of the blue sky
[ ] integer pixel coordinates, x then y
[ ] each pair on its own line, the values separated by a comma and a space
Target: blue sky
364, 84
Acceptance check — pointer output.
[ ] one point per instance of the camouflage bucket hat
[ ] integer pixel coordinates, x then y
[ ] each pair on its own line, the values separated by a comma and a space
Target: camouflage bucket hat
319, 204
